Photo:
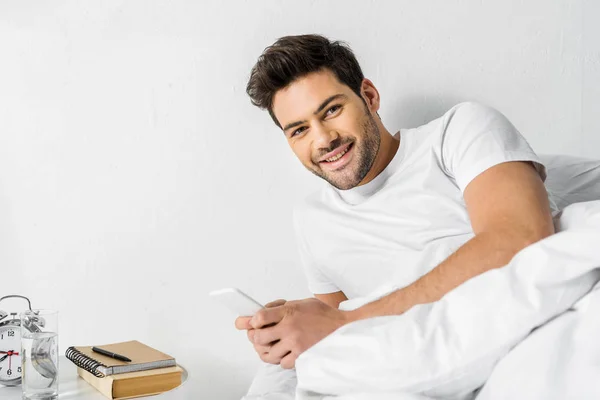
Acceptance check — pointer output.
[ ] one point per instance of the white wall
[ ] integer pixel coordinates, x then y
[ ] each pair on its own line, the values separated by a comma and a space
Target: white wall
135, 176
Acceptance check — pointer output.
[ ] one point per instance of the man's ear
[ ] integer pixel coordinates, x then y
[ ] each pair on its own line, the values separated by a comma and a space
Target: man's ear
370, 95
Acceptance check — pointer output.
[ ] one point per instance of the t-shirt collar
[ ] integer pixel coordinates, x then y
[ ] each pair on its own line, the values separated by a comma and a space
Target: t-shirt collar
358, 194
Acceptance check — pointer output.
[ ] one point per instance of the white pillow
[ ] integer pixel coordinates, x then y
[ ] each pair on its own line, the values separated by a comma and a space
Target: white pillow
571, 179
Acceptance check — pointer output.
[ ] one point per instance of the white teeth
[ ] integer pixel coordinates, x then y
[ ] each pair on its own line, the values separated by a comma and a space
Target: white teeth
337, 156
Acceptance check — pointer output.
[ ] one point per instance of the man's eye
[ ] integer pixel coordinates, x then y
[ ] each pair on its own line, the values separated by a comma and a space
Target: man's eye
298, 131
333, 110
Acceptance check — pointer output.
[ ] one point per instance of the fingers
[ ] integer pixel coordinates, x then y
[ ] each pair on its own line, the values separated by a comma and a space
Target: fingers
267, 316
288, 361
275, 303
262, 351
263, 333
275, 353
243, 323
266, 336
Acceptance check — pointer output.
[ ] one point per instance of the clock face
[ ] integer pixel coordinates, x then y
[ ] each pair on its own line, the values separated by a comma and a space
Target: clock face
10, 352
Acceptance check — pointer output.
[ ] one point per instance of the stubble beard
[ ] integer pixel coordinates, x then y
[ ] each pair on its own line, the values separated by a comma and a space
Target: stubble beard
364, 157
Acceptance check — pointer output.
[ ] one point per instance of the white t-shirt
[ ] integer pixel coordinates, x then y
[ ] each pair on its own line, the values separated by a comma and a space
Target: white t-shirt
412, 216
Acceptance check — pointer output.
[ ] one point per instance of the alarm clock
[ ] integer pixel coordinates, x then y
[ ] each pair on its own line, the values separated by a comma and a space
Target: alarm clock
10, 344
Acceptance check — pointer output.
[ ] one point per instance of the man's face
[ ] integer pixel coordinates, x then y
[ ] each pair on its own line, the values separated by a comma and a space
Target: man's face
329, 128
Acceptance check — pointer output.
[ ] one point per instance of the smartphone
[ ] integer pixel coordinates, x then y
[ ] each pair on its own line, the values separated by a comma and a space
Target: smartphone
237, 301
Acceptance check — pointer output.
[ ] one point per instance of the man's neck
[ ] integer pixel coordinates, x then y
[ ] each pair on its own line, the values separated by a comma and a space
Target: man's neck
387, 150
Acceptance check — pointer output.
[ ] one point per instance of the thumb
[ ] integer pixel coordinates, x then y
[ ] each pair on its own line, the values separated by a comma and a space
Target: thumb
275, 303
243, 323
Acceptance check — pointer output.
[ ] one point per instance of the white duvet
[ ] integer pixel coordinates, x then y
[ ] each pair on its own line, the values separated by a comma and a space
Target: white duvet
529, 330
480, 332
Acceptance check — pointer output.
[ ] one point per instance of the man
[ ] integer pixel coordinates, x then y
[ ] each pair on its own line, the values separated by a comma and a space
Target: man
423, 210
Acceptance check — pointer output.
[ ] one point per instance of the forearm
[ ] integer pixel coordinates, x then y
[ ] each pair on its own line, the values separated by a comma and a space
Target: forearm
485, 251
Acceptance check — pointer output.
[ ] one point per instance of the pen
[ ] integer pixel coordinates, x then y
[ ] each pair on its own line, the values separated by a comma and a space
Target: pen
110, 354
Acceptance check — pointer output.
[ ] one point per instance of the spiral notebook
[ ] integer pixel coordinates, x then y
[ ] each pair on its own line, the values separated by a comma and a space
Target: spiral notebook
142, 357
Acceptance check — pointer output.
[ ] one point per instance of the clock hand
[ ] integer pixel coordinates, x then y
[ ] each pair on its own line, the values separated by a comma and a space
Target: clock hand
9, 355
3, 358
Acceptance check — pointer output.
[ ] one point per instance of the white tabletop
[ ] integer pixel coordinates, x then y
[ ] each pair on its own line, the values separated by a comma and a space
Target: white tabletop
71, 386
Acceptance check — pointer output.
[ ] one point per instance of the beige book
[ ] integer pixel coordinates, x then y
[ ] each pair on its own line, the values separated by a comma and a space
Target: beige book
142, 357
134, 384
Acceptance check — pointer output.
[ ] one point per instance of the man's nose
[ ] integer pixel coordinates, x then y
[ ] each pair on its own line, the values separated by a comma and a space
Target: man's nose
324, 136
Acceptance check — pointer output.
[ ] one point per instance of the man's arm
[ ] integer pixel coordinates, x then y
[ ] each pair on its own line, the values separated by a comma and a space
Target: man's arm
332, 299
508, 207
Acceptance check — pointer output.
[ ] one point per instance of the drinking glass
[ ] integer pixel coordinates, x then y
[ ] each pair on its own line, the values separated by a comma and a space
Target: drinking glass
39, 354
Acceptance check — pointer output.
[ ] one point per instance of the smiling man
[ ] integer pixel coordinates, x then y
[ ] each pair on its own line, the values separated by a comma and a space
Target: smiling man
412, 214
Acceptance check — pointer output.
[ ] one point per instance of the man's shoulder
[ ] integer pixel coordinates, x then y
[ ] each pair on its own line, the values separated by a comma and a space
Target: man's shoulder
472, 121
456, 118
469, 111
471, 107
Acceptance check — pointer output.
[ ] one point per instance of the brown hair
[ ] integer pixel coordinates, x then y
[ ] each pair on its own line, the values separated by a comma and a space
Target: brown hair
292, 57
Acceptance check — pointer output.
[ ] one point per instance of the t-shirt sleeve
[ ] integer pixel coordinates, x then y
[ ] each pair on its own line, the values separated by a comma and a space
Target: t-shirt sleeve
476, 137
318, 282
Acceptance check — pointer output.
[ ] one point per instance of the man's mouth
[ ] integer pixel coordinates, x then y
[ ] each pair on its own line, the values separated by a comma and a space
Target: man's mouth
337, 158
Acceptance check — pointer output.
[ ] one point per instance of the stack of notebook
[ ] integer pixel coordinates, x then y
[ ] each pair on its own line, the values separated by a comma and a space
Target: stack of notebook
149, 371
